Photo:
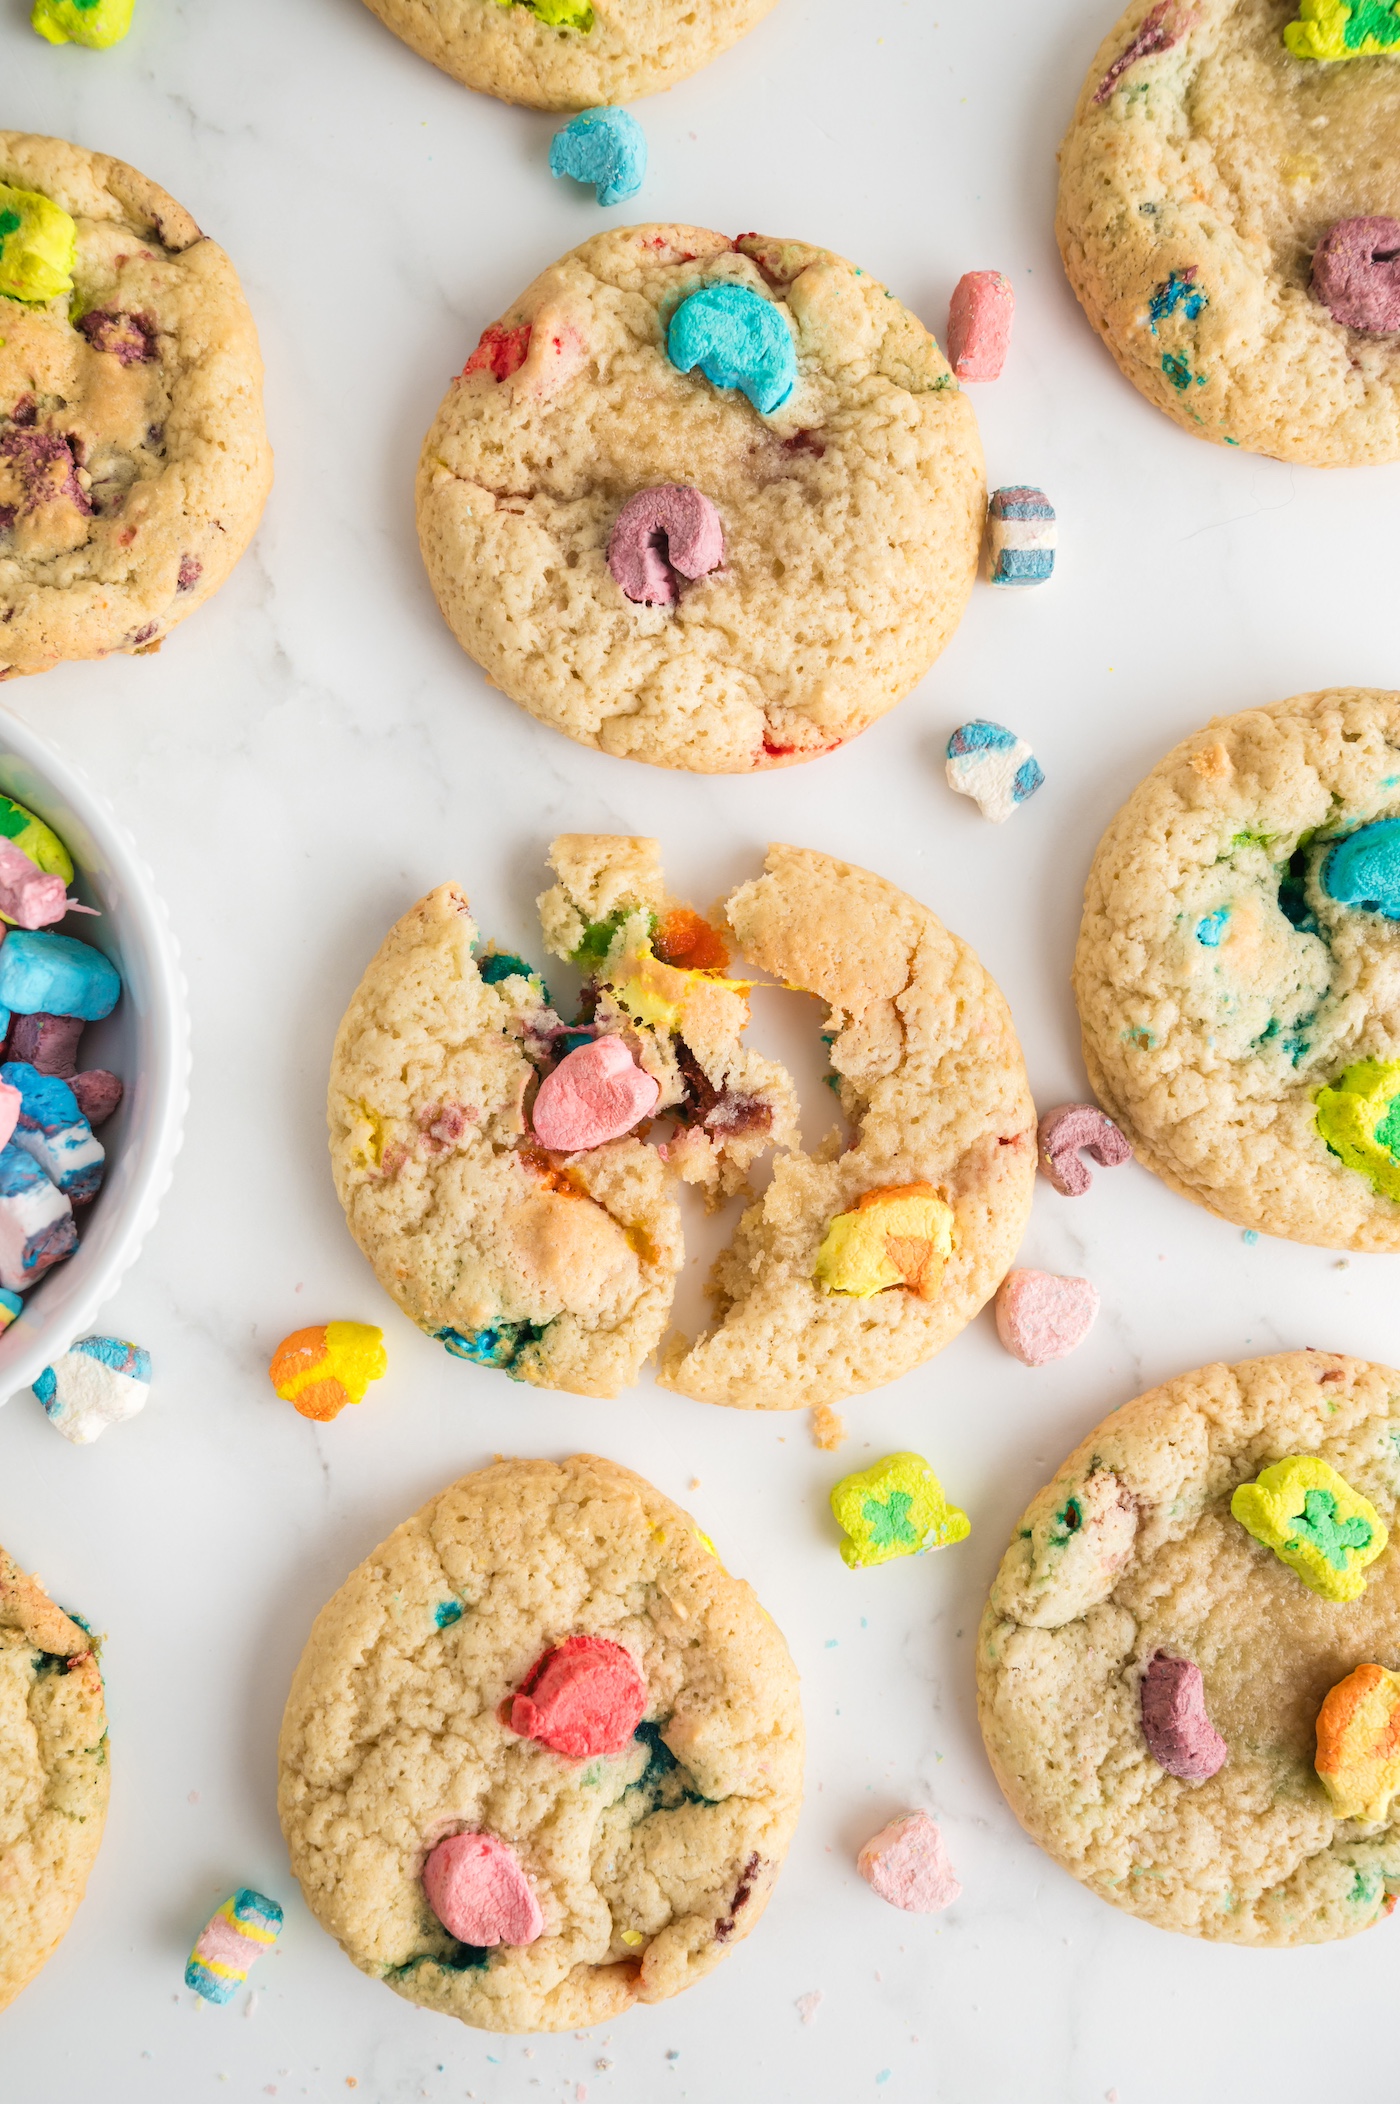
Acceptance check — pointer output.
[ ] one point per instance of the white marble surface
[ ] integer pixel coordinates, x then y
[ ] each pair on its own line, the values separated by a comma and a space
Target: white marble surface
311, 751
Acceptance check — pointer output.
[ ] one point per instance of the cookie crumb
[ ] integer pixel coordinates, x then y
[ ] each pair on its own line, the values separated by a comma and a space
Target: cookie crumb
807, 2005
828, 1427
1212, 763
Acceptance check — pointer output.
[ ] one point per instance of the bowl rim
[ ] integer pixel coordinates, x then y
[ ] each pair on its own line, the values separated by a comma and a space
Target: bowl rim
168, 1085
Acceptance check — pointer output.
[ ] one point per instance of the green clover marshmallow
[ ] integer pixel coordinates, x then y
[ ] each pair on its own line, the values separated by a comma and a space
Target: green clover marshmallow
1314, 1522
96, 23
896, 1508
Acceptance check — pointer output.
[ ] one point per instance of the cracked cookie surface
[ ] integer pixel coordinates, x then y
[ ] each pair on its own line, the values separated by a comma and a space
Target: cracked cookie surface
1196, 184
852, 513
1221, 987
647, 1865
53, 1773
930, 1077
1132, 1551
134, 462
596, 51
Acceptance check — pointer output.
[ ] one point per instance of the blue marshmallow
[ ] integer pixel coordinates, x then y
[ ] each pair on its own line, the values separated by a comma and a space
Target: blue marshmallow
36, 1221
102, 1381
1021, 536
994, 767
1364, 869
738, 339
606, 147
42, 973
54, 1131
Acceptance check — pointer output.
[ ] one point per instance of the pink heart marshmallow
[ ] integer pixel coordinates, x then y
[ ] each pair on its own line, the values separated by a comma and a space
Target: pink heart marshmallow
594, 1095
1041, 1316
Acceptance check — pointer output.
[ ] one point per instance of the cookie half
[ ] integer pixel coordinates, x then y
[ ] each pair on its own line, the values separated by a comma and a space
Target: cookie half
556, 1265
648, 1864
53, 1774
1238, 966
930, 1077
134, 462
1208, 163
569, 54
851, 512
1132, 1554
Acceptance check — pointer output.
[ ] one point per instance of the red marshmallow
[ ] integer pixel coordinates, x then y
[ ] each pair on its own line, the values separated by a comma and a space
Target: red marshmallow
582, 1699
979, 324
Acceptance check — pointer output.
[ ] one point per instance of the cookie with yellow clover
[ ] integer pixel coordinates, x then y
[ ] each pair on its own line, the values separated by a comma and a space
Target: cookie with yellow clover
53, 1773
1185, 1670
511, 1175
134, 462
1238, 969
712, 504
1229, 216
862, 1259
569, 54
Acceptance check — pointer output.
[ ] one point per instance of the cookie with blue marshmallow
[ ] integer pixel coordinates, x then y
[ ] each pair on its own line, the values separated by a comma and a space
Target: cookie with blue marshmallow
810, 485
1229, 216
1235, 966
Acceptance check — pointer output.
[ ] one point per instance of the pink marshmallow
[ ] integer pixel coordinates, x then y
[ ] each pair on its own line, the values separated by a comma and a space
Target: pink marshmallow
979, 324
907, 1864
1064, 1132
480, 1894
10, 1100
1356, 274
1041, 1317
222, 1943
595, 1094
30, 897
658, 532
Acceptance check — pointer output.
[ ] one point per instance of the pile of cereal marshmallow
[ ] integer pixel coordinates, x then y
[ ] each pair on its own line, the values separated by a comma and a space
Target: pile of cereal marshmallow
50, 986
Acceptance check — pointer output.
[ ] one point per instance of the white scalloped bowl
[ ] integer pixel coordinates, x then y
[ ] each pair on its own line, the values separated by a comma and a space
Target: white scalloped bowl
146, 1040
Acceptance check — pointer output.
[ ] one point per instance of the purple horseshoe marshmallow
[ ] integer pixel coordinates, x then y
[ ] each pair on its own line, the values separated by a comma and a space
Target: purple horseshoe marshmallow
1180, 1736
659, 531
